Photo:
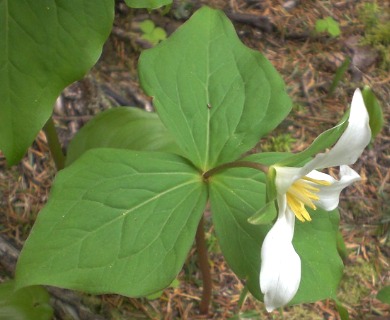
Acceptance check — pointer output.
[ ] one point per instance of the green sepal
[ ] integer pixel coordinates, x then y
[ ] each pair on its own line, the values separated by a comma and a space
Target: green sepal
270, 182
374, 111
322, 142
265, 215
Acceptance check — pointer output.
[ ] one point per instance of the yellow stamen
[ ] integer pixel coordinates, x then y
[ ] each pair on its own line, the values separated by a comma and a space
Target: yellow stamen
320, 182
302, 193
298, 208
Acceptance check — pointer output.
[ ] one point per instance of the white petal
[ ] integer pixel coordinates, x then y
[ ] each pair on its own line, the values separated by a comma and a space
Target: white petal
285, 177
330, 195
280, 273
352, 142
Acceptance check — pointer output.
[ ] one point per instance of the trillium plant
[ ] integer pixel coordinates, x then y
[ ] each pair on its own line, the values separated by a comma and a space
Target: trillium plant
298, 188
123, 214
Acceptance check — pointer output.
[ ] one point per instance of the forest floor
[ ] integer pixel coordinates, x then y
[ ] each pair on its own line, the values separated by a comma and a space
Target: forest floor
308, 63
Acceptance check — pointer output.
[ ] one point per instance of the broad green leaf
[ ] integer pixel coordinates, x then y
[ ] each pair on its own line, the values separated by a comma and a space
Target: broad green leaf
374, 110
323, 141
384, 295
147, 4
322, 267
44, 46
122, 128
29, 303
118, 221
235, 195
216, 96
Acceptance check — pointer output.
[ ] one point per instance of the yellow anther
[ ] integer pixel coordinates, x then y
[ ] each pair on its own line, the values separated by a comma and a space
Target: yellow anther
298, 208
301, 194
320, 182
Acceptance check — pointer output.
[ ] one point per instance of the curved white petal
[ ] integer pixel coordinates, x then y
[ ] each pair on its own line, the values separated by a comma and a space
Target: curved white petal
352, 142
280, 273
285, 177
329, 195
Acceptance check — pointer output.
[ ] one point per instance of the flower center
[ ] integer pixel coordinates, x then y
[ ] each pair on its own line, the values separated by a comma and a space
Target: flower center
302, 193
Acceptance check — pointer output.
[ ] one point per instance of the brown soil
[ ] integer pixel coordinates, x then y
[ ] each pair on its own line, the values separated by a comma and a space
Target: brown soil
308, 63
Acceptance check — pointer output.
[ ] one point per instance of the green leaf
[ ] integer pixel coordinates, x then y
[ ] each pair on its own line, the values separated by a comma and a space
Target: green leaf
147, 26
339, 75
321, 25
29, 303
151, 33
384, 295
235, 195
343, 312
328, 25
175, 284
147, 4
374, 111
322, 267
238, 193
216, 96
159, 34
341, 247
118, 221
122, 128
322, 142
45, 46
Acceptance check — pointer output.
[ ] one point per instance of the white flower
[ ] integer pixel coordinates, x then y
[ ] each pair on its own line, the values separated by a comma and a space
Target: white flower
296, 188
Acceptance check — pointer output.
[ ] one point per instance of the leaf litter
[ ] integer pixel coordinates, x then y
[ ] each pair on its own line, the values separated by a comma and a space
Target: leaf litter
307, 62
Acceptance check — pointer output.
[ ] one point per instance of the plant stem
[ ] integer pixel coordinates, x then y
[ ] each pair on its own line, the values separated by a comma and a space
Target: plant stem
204, 267
54, 144
236, 164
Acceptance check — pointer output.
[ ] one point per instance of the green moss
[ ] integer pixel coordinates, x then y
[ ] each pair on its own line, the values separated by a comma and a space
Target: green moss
280, 143
353, 288
301, 313
377, 30
297, 312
